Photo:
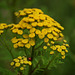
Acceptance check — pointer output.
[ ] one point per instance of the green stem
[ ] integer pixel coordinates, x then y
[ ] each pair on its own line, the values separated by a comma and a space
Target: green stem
32, 56
35, 67
38, 46
45, 69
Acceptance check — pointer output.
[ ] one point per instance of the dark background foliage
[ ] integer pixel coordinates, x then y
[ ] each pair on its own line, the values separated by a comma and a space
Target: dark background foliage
62, 11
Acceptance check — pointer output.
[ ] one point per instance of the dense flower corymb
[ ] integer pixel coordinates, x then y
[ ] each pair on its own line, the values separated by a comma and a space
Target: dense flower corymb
37, 24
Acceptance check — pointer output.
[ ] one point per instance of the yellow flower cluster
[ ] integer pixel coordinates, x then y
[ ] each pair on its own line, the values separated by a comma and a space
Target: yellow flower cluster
4, 26
62, 49
37, 24
20, 62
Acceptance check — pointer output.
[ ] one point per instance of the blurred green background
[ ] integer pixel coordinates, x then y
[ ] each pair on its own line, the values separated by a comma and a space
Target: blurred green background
62, 11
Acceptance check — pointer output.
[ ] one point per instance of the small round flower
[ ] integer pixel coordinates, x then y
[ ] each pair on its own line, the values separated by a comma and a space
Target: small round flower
15, 30
16, 60
54, 33
50, 36
27, 45
64, 41
48, 44
32, 35
19, 57
66, 50
21, 68
44, 31
59, 50
46, 39
12, 63
40, 24
17, 64
52, 52
32, 42
53, 47
32, 30
44, 47
52, 42
37, 31
63, 47
25, 36
54, 38
20, 32
14, 40
15, 45
25, 41
34, 24
29, 63
21, 61
1, 31
63, 57
41, 35
29, 26
67, 45
63, 53
20, 44
61, 35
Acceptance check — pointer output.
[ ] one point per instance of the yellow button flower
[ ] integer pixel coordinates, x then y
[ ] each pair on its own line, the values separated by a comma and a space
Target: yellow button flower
41, 35
63, 57
50, 36
14, 40
15, 30
44, 31
62, 53
44, 47
52, 52
20, 32
32, 30
67, 45
34, 24
46, 39
19, 57
21, 68
15, 45
27, 45
61, 35
17, 64
25, 41
29, 63
64, 41
48, 44
12, 63
29, 26
40, 24
52, 42
21, 61
32, 35
1, 31
32, 42
16, 60
38, 31
25, 36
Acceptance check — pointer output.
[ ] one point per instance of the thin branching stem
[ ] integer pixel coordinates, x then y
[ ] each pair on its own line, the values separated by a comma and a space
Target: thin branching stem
45, 69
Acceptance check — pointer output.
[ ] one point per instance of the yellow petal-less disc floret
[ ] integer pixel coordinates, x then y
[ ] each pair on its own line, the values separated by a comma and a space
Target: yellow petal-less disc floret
52, 52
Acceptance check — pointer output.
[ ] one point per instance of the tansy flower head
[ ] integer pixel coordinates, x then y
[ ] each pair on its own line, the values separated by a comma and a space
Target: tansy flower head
39, 26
